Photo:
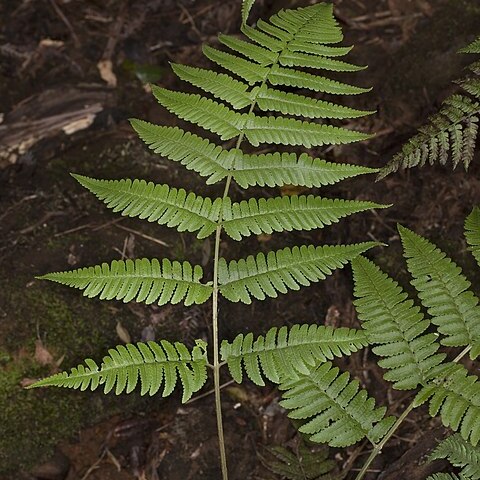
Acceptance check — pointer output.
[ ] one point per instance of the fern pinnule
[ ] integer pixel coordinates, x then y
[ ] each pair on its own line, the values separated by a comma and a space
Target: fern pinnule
459, 453
152, 364
285, 353
472, 233
395, 326
287, 269
443, 290
336, 411
142, 280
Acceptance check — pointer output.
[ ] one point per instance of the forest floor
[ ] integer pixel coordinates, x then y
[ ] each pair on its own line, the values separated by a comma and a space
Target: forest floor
71, 74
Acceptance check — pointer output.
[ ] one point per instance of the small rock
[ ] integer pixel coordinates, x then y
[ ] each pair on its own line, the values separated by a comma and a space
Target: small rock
54, 469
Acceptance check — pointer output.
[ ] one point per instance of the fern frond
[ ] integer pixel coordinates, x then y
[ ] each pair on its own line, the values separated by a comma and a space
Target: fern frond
278, 169
299, 59
259, 54
220, 85
190, 212
196, 153
152, 364
443, 290
395, 326
296, 78
473, 47
456, 397
285, 353
302, 464
272, 169
157, 203
337, 412
283, 270
288, 131
250, 71
206, 113
459, 453
306, 46
450, 133
269, 99
286, 214
142, 280
472, 232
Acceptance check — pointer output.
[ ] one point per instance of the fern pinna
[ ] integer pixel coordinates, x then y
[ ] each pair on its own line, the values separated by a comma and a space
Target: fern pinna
450, 133
402, 335
260, 97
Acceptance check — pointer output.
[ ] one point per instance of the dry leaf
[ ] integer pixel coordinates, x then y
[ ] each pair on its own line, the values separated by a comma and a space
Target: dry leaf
26, 382
122, 333
288, 190
42, 355
105, 68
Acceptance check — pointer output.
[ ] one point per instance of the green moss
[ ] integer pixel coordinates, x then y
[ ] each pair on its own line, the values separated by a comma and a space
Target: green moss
34, 421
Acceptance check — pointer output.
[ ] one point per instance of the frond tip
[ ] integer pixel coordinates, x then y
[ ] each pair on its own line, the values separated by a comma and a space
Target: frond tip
140, 280
284, 353
153, 364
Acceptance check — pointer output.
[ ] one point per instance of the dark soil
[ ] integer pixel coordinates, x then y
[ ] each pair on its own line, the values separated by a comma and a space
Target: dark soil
49, 52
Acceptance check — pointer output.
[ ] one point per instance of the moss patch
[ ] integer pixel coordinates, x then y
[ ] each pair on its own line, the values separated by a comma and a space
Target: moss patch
70, 326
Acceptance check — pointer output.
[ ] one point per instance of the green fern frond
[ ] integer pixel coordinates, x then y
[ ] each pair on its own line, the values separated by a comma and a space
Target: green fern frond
250, 71
220, 85
157, 203
208, 114
152, 365
459, 453
278, 169
142, 280
259, 54
286, 213
456, 397
284, 353
395, 326
472, 232
190, 212
272, 169
301, 464
474, 47
227, 123
289, 77
450, 133
443, 290
269, 99
287, 269
337, 412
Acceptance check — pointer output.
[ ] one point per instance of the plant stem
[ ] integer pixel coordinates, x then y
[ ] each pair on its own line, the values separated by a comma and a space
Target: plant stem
216, 360
216, 363
377, 448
